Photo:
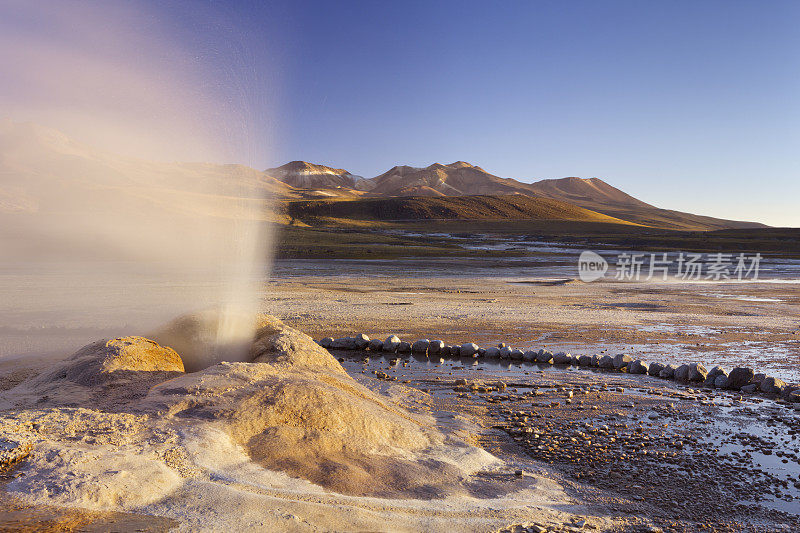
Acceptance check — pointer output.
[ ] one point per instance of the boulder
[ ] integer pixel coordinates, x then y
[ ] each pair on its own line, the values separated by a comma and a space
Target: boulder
721, 381
505, 352
361, 341
713, 374
655, 369
455, 351
562, 358
696, 373
446, 351
544, 356
638, 367
739, 377
344, 343
516, 354
606, 362
420, 346
529, 356
682, 373
376, 345
326, 342
717, 370
751, 388
391, 343
436, 347
668, 372
789, 389
772, 385
481, 352
622, 360
585, 360
492, 352
595, 361
468, 349
404, 347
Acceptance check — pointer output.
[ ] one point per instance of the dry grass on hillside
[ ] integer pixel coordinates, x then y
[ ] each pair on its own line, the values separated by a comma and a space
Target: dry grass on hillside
506, 207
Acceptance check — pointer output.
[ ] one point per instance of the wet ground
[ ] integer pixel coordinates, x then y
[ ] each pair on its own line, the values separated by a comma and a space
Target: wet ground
659, 454
23, 518
728, 324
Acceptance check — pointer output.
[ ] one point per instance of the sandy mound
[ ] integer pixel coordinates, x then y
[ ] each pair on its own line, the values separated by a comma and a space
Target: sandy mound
121, 413
90, 458
278, 344
107, 373
98, 361
296, 410
321, 426
206, 338
139, 354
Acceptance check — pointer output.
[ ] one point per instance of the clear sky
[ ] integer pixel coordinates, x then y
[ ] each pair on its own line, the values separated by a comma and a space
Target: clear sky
689, 105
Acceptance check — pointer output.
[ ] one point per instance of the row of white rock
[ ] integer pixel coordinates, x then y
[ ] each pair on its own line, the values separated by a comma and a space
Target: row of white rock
740, 378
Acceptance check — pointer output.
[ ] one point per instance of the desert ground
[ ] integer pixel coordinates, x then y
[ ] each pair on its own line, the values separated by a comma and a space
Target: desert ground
637, 448
566, 448
751, 324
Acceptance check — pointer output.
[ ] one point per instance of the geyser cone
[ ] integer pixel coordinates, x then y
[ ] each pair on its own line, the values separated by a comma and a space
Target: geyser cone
208, 337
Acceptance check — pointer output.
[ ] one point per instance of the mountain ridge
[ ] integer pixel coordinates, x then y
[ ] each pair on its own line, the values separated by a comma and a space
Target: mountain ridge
41, 165
305, 175
465, 179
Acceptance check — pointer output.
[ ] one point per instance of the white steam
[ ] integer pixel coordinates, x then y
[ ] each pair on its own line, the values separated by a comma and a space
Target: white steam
97, 234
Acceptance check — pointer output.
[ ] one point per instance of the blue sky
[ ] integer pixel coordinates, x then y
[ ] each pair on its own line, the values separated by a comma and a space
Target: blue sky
686, 105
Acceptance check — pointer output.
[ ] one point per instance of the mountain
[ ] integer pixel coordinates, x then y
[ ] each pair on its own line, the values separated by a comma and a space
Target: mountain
582, 191
463, 179
405, 208
456, 179
43, 171
595, 194
304, 175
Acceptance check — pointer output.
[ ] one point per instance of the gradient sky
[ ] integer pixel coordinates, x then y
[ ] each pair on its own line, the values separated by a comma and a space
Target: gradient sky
686, 105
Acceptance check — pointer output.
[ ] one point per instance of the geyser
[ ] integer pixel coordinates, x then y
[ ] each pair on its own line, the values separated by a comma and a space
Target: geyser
97, 244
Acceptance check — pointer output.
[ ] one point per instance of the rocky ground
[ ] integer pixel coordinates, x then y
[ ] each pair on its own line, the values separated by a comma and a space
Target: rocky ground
657, 454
